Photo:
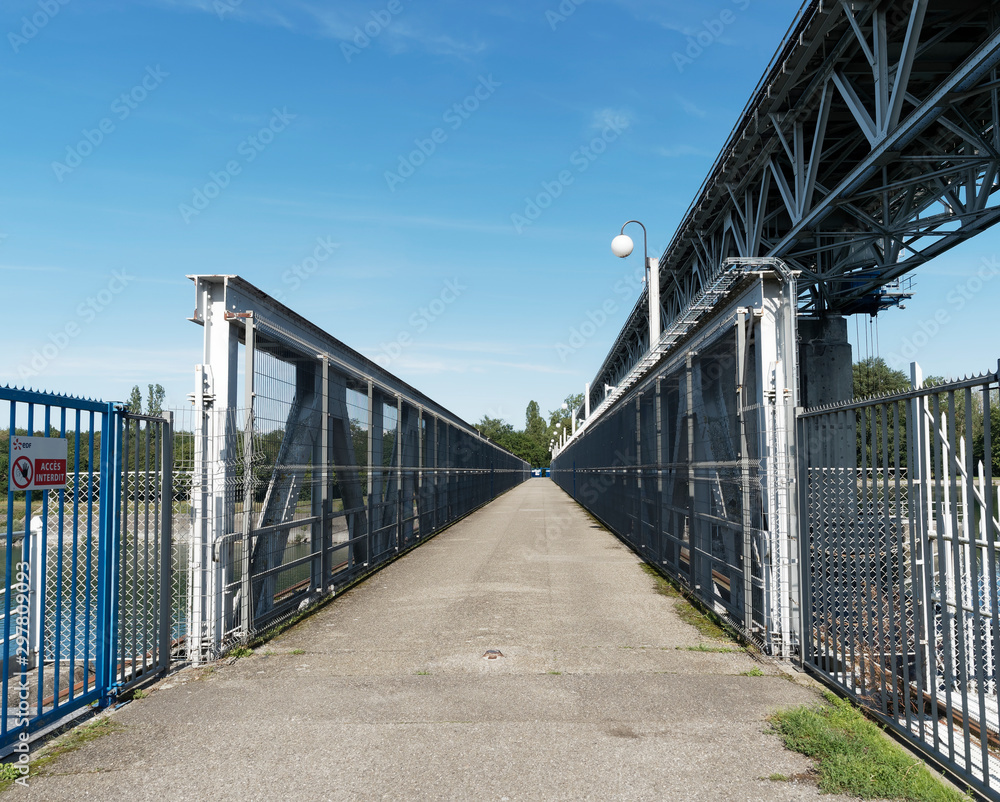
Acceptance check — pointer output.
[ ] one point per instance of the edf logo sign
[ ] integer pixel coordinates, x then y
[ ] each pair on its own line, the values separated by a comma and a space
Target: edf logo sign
37, 463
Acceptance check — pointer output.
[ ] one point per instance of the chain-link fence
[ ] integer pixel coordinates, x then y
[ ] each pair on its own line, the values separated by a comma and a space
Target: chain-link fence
142, 550
85, 605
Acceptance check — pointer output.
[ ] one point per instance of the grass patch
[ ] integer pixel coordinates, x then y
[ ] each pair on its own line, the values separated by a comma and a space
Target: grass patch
297, 651
423, 673
708, 647
663, 587
240, 651
854, 757
778, 778
753, 672
557, 673
64, 744
139, 693
706, 624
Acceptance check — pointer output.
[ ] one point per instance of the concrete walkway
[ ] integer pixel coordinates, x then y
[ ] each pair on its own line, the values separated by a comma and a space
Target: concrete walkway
386, 694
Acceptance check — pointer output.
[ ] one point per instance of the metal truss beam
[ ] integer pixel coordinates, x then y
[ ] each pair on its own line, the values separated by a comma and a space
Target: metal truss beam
870, 146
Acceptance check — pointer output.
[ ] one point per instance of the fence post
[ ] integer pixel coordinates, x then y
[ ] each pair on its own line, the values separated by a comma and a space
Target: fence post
326, 523
639, 507
246, 558
371, 469
805, 553
107, 557
745, 489
420, 480
399, 471
166, 538
692, 505
918, 457
658, 451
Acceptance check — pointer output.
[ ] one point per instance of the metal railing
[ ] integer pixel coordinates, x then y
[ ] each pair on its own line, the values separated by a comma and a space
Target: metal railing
84, 587
329, 468
691, 467
899, 549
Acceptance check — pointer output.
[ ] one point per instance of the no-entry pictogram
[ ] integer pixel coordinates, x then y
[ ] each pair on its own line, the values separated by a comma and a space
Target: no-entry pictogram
37, 463
21, 473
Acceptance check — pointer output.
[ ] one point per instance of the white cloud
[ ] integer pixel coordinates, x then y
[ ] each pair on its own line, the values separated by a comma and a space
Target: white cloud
344, 23
690, 108
609, 117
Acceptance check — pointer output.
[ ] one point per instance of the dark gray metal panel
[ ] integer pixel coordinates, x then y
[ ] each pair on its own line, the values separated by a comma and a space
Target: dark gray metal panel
302, 429
345, 469
409, 459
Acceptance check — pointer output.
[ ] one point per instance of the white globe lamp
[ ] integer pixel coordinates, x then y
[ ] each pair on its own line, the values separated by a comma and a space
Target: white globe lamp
621, 246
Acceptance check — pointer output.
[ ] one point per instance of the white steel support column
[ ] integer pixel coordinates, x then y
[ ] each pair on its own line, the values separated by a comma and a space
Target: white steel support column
653, 288
215, 395
777, 396
246, 524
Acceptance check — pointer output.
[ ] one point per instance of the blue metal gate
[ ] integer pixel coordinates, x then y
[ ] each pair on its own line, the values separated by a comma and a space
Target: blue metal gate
84, 579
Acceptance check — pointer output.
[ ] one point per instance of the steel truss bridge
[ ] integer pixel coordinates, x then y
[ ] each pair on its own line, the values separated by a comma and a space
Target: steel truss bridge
869, 147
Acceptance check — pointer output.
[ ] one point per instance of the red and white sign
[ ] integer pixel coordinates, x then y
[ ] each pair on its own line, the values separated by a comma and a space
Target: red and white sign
37, 463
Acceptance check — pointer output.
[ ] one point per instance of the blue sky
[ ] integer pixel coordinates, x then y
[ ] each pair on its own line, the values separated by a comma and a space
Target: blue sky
402, 142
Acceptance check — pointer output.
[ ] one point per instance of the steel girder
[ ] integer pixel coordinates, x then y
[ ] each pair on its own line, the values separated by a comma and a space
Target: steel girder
870, 146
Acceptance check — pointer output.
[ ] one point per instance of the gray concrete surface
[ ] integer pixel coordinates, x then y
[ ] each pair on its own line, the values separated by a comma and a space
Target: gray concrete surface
386, 694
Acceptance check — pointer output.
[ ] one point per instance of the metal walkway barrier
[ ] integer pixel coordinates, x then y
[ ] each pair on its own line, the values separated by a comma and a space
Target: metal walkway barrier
86, 556
310, 466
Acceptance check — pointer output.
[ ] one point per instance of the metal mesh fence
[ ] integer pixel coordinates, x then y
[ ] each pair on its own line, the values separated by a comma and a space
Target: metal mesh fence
684, 469
900, 536
143, 548
322, 477
51, 609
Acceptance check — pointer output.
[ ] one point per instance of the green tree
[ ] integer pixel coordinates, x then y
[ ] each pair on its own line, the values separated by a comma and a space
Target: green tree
872, 376
134, 404
536, 438
154, 401
534, 423
497, 429
562, 419
979, 438
531, 447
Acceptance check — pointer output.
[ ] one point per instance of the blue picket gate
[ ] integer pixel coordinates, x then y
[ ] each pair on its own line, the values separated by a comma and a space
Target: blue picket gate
85, 580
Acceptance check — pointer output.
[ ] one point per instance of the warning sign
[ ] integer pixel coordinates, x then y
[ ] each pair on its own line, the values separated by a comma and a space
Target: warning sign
37, 463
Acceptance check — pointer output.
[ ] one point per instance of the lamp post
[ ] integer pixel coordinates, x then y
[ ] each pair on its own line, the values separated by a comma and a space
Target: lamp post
622, 246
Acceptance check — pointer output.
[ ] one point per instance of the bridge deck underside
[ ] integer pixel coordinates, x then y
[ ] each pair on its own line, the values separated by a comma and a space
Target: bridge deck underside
870, 146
